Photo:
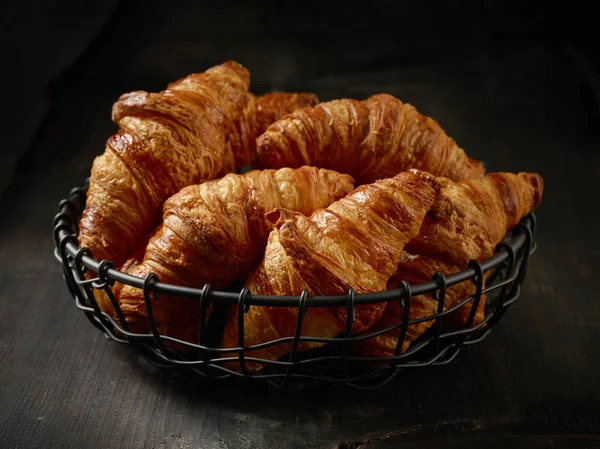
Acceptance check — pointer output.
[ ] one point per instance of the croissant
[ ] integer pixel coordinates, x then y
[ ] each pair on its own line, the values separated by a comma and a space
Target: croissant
466, 222
200, 128
355, 242
370, 139
216, 233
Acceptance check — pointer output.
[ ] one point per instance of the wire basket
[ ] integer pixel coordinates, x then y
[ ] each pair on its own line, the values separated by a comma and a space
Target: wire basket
332, 363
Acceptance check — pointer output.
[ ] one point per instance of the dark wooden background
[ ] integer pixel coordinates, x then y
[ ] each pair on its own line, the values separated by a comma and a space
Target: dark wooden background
516, 86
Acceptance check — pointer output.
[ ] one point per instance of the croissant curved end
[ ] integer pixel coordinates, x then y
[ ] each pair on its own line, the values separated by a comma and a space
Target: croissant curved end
537, 184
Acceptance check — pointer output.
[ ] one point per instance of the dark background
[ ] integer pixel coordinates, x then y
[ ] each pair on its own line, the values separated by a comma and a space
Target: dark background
517, 85
50, 47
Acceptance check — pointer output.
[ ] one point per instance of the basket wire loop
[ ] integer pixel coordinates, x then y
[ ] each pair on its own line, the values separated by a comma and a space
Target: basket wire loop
66, 264
150, 295
62, 218
103, 280
478, 281
392, 372
79, 192
67, 203
77, 260
523, 258
509, 285
302, 311
61, 222
82, 269
80, 295
440, 296
88, 296
116, 307
450, 353
242, 309
527, 247
61, 226
350, 317
532, 227
404, 301
205, 299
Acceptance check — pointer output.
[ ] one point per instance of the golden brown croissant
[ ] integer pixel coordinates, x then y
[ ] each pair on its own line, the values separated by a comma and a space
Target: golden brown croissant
356, 242
216, 233
466, 222
371, 139
200, 128
258, 114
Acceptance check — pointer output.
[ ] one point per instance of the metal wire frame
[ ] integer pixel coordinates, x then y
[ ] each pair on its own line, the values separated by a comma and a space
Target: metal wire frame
332, 364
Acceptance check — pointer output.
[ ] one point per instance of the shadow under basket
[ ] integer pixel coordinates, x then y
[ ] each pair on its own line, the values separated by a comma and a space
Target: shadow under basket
332, 363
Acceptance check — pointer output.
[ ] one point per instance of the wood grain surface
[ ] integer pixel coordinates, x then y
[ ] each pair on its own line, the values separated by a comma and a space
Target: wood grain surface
519, 103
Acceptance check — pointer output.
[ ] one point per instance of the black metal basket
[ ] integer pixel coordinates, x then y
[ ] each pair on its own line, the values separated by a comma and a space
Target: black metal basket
330, 364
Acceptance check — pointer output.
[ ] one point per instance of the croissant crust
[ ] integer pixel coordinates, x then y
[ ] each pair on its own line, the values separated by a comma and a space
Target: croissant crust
370, 139
356, 243
216, 233
201, 127
466, 222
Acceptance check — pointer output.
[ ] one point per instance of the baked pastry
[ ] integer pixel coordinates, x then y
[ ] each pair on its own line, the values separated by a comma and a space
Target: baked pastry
200, 128
371, 139
356, 243
466, 222
416, 211
216, 233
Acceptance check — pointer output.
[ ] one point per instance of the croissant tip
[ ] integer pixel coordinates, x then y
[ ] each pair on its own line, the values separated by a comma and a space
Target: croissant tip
233, 63
242, 72
475, 168
430, 179
536, 181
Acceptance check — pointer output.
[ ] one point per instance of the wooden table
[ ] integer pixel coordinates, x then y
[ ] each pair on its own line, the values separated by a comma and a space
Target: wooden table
520, 104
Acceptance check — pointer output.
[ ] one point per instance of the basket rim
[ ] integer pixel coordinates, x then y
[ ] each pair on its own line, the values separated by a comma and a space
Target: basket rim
65, 229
